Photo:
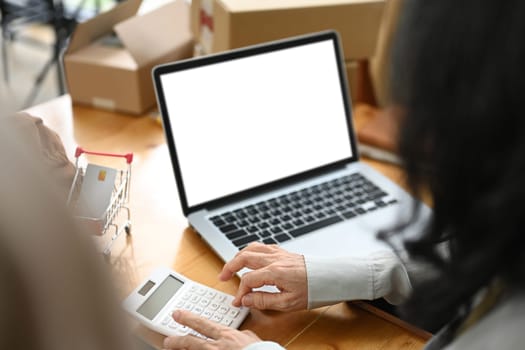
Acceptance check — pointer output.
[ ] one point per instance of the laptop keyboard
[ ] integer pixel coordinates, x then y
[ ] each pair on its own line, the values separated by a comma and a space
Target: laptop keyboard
295, 214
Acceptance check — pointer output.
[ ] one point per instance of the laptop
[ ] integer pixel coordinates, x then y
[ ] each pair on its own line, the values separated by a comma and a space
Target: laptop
263, 149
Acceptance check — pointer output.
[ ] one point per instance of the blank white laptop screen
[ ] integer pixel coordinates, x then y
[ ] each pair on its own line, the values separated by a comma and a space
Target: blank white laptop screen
250, 121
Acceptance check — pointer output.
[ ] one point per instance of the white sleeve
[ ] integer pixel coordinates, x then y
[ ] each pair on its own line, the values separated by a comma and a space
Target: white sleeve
264, 345
331, 280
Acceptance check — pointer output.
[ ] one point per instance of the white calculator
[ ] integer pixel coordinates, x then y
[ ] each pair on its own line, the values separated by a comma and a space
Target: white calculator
153, 302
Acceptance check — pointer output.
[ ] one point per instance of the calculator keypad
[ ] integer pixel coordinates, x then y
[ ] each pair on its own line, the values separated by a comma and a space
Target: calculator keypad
205, 302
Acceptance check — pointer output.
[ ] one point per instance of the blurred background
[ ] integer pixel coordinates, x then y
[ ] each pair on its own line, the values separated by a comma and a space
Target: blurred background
31, 32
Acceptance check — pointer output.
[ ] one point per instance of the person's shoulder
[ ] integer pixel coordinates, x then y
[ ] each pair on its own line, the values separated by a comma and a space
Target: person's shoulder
502, 328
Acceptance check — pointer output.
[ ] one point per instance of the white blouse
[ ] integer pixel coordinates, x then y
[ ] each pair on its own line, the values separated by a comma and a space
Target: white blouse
332, 280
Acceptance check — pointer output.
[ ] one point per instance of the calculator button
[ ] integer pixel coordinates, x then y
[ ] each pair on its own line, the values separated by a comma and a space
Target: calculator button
197, 310
173, 325
193, 289
201, 291
188, 306
214, 306
179, 333
227, 321
195, 299
204, 302
186, 296
179, 304
166, 320
224, 309
216, 318
221, 298
183, 329
207, 314
233, 313
197, 334
210, 294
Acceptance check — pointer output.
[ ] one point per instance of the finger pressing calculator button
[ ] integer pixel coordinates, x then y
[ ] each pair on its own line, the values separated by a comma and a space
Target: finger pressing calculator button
224, 309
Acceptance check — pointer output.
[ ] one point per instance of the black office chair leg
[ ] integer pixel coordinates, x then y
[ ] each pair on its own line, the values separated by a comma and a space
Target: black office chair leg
60, 74
38, 83
60, 42
5, 63
42, 75
60, 78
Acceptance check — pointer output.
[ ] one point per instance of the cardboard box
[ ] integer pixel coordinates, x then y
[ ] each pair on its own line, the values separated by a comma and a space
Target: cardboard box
118, 76
226, 24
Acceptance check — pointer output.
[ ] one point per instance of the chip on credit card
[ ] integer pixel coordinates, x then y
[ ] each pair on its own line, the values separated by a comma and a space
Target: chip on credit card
95, 193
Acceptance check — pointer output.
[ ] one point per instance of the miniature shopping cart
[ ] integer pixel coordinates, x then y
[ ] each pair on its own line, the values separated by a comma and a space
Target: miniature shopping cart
113, 218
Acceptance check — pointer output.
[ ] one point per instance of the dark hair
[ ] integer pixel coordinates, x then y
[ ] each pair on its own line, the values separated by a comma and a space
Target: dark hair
458, 75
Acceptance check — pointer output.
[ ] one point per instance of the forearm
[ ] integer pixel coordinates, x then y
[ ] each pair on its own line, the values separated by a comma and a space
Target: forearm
331, 280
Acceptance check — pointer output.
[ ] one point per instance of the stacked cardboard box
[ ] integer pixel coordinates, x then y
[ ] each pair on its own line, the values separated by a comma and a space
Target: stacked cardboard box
219, 25
109, 59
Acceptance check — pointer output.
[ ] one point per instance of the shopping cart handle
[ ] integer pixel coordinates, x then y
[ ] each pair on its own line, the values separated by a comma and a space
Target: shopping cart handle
129, 156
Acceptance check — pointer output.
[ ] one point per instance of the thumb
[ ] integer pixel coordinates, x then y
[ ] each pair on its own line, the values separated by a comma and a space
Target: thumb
265, 301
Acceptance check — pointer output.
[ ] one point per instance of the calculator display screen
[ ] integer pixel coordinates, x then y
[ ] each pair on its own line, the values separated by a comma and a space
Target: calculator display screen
151, 307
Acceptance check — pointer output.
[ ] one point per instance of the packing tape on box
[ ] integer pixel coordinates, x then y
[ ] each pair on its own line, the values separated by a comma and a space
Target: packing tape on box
206, 25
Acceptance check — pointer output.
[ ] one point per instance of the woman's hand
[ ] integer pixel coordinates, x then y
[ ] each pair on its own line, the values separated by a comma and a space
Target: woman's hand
271, 265
220, 337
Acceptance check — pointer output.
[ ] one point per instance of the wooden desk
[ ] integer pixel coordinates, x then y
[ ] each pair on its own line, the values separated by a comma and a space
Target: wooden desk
161, 235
